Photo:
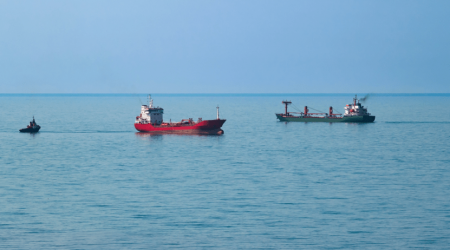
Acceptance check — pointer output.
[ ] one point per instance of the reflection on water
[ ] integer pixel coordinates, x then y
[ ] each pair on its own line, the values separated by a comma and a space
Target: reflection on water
34, 134
359, 123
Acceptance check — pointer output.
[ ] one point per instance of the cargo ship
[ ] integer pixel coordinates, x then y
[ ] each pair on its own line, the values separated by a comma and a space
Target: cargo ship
151, 120
354, 112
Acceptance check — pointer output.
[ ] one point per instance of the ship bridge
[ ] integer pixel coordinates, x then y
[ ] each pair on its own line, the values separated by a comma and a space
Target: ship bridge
150, 114
355, 108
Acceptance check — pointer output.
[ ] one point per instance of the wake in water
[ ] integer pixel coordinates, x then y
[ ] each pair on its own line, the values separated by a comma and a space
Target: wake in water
420, 122
86, 132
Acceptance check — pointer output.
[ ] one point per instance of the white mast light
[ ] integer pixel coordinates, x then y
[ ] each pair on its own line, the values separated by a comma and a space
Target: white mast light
217, 112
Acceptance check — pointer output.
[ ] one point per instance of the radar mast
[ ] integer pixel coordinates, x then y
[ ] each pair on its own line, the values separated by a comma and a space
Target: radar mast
150, 101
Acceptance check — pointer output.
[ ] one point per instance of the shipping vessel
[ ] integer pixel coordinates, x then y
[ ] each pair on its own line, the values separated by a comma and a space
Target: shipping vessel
32, 128
354, 112
151, 120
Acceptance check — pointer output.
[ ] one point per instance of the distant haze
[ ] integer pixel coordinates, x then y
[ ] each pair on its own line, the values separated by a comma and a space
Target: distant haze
224, 46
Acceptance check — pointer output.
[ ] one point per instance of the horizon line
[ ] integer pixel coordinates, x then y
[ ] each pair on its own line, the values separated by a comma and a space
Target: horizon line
229, 94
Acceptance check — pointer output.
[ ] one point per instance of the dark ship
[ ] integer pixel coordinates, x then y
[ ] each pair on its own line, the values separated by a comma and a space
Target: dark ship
32, 128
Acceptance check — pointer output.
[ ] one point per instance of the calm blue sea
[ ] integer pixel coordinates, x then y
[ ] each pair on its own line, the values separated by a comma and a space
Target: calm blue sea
89, 181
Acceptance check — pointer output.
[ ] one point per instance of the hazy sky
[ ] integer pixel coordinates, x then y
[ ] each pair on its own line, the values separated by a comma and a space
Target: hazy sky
209, 46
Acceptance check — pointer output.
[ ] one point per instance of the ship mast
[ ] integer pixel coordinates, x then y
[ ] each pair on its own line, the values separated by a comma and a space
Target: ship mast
286, 103
150, 101
218, 112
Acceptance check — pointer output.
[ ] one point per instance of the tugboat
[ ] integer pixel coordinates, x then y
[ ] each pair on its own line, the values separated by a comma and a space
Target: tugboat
151, 120
354, 112
32, 128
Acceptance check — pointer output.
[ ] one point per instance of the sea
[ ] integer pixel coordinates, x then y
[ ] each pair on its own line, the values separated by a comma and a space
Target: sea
89, 180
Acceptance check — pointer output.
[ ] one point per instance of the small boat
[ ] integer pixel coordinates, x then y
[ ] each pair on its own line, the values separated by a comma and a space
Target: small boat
32, 128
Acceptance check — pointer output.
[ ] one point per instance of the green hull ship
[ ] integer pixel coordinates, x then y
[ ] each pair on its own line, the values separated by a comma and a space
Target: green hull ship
284, 118
354, 113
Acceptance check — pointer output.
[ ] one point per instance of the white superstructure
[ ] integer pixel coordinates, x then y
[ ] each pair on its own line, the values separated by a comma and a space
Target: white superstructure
355, 108
149, 114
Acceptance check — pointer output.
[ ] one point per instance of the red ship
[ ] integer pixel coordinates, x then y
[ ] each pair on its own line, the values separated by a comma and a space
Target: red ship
151, 120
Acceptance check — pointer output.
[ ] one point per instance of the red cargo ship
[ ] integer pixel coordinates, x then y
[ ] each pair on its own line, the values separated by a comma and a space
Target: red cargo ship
151, 120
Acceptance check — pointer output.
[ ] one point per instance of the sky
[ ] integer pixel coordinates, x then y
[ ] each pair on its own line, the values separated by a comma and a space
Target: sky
213, 46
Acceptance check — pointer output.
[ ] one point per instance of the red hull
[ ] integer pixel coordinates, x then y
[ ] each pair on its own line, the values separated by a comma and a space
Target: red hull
203, 127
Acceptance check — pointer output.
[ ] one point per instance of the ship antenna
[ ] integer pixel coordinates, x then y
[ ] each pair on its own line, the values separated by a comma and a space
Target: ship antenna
150, 101
218, 112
